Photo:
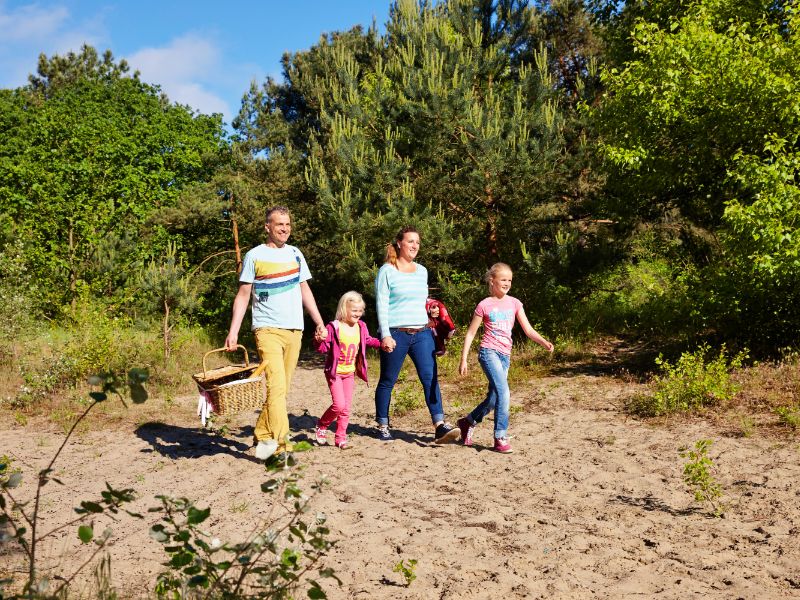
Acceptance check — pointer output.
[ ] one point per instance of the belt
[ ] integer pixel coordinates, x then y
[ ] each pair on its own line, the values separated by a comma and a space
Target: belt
410, 330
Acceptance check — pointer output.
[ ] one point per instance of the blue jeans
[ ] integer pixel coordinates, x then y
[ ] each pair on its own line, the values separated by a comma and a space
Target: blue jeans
421, 348
498, 397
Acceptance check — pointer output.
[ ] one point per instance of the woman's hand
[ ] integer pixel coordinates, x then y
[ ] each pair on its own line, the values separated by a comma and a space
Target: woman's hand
388, 344
320, 333
462, 368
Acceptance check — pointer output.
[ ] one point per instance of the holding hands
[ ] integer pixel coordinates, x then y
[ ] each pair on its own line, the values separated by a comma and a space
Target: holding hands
320, 333
388, 344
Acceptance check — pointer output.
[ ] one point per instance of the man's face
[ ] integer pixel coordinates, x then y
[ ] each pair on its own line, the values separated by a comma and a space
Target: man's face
279, 228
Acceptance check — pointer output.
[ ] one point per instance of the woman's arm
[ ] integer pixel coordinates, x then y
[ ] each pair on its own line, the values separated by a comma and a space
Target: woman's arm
382, 292
471, 331
531, 332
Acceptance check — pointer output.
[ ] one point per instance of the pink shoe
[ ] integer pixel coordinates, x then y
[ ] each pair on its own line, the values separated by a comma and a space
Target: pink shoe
467, 428
502, 445
321, 435
343, 445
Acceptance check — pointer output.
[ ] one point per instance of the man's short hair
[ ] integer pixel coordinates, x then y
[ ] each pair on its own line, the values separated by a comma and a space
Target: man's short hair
277, 209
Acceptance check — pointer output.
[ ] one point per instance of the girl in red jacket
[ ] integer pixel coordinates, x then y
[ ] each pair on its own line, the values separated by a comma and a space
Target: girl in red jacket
346, 349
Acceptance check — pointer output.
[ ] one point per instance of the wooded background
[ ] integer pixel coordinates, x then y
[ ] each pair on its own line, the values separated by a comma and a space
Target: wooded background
636, 163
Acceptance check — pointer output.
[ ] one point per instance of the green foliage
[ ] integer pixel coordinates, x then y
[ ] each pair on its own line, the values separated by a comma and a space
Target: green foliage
449, 121
696, 380
789, 416
87, 154
17, 516
274, 561
698, 474
699, 134
170, 288
407, 570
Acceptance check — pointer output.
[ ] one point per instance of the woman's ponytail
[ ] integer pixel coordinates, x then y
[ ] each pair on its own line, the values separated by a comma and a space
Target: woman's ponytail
391, 254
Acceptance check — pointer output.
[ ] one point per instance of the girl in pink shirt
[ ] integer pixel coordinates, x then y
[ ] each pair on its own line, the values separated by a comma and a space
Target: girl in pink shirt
498, 314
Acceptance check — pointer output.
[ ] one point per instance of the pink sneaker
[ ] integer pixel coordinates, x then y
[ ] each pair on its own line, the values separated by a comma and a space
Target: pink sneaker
502, 445
467, 428
321, 435
343, 445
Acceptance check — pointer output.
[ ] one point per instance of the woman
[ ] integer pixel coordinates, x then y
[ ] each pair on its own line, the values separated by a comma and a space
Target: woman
401, 290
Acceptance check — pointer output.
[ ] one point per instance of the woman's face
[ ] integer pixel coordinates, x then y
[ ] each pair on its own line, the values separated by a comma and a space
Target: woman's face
408, 246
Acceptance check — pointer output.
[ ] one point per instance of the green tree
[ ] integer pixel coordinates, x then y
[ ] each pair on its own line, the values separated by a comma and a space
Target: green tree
700, 133
86, 155
171, 289
434, 123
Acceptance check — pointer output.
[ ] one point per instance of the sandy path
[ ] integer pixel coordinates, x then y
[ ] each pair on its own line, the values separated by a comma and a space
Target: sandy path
590, 504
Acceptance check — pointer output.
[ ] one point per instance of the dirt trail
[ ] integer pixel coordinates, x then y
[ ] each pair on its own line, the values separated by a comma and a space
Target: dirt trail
590, 504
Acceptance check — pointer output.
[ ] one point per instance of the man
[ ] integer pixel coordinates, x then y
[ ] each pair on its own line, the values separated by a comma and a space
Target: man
275, 278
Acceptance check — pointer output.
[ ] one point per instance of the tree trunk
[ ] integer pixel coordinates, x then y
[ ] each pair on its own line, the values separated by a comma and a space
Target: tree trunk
166, 329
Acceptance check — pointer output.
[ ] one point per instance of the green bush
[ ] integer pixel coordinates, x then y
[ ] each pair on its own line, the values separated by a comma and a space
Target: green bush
789, 416
697, 379
59, 358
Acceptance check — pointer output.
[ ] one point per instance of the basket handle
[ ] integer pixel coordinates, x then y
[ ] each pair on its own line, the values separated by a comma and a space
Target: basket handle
246, 359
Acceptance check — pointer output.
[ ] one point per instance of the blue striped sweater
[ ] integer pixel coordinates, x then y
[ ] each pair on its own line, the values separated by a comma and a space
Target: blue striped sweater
400, 298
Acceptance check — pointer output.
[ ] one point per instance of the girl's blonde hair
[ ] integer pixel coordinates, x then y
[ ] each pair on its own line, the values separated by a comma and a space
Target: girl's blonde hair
495, 269
393, 247
350, 297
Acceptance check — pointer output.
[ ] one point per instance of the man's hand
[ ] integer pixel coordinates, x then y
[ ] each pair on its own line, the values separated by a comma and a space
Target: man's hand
231, 342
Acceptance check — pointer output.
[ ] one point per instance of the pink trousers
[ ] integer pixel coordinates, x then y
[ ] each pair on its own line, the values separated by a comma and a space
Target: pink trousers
339, 411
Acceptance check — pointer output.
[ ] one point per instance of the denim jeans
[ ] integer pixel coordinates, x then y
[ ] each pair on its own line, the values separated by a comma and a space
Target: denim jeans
498, 397
421, 348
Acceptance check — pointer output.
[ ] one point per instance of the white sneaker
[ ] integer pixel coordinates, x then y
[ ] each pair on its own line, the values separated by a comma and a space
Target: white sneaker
265, 449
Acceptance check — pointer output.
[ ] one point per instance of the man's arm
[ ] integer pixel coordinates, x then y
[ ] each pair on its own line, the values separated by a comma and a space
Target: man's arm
311, 307
239, 309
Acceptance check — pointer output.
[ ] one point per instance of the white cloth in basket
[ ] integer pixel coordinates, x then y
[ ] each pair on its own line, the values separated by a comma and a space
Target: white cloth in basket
204, 406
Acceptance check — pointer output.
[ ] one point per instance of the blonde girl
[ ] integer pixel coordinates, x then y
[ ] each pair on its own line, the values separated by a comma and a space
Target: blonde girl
497, 313
346, 349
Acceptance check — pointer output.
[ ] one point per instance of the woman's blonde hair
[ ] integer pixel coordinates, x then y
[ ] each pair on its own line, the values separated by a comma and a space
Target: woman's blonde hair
495, 269
393, 247
350, 297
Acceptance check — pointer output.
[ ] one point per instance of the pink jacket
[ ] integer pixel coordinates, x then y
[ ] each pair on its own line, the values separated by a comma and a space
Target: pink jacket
332, 347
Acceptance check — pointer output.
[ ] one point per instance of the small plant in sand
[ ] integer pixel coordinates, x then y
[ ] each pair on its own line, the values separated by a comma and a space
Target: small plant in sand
19, 520
698, 474
697, 379
789, 416
407, 570
273, 561
406, 400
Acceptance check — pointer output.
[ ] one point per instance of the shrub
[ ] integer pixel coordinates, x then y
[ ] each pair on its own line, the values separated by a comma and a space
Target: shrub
789, 416
694, 381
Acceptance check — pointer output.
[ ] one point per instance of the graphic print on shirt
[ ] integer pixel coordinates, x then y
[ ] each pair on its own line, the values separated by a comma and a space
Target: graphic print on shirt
273, 278
502, 324
348, 342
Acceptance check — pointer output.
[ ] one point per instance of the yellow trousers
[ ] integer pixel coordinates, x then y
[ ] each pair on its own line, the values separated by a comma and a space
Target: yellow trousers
279, 349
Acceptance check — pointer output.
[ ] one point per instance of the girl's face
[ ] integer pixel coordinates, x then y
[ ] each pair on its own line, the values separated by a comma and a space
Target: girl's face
408, 246
353, 313
500, 284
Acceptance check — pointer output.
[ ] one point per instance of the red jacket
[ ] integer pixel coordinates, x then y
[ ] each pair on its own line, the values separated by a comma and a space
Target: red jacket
443, 326
333, 348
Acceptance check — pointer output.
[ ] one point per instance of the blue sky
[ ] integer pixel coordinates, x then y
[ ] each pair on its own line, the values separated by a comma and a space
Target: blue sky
202, 53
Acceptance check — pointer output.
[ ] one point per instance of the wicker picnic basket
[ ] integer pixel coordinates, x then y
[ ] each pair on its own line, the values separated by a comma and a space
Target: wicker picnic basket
232, 388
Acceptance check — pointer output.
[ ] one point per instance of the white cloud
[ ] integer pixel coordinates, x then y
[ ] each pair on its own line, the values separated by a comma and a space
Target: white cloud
32, 29
185, 69
31, 23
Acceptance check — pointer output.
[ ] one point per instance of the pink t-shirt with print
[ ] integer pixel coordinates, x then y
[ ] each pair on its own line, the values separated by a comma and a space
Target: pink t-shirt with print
498, 321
